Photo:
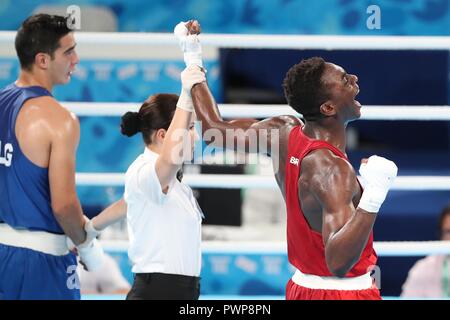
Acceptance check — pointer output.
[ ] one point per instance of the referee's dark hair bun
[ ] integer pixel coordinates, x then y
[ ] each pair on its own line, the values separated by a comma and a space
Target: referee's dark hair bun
155, 113
130, 124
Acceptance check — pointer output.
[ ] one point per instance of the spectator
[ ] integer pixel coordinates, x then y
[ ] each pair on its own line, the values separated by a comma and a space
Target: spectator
430, 276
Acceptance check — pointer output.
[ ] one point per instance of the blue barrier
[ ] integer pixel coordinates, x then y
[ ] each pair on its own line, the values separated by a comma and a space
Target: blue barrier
414, 17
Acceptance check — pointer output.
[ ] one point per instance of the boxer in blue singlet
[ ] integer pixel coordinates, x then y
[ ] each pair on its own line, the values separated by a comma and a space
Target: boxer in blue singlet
39, 207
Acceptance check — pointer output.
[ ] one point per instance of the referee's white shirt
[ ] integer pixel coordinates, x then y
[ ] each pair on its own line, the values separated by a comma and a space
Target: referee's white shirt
164, 229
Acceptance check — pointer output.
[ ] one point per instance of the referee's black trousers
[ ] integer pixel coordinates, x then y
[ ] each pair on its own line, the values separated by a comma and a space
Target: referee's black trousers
164, 286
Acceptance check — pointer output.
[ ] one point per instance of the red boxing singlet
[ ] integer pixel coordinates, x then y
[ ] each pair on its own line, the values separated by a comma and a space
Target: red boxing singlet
306, 250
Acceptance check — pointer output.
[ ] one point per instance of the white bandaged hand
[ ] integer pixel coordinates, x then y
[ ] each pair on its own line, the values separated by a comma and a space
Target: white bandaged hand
91, 255
90, 251
378, 175
91, 233
189, 77
185, 101
189, 44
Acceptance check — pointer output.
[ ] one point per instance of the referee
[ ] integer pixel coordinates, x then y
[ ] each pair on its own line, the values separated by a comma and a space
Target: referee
164, 220
163, 217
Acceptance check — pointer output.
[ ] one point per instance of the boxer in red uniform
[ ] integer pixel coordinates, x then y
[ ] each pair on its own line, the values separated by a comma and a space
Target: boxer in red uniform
330, 216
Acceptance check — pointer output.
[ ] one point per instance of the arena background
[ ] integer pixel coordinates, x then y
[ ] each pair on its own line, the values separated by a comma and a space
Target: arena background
402, 77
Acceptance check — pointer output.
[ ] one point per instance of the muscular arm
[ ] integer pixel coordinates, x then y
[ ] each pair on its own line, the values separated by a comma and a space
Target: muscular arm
61, 172
345, 230
247, 135
112, 214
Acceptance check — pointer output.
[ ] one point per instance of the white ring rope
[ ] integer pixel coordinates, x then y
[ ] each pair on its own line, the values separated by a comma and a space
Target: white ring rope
236, 181
383, 248
262, 41
436, 113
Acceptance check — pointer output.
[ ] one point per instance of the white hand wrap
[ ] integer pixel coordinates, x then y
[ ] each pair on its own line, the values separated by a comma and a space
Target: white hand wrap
378, 175
91, 255
189, 77
90, 251
185, 101
190, 45
91, 232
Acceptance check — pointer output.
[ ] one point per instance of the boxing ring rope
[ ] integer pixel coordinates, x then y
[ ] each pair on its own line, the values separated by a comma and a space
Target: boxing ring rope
237, 181
383, 248
437, 113
420, 113
248, 41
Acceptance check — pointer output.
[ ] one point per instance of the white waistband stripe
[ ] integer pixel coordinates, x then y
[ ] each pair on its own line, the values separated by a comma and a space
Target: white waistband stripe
332, 283
41, 241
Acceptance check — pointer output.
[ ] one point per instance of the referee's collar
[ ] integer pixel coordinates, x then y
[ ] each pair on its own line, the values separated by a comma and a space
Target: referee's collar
150, 154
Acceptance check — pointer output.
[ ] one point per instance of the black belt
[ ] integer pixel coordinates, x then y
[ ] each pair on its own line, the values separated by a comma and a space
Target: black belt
188, 280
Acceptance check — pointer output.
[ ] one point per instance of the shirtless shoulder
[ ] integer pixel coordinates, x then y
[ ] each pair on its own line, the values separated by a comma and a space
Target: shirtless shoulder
285, 124
40, 122
47, 114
